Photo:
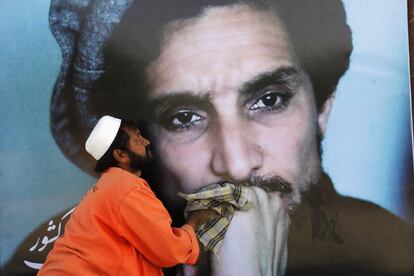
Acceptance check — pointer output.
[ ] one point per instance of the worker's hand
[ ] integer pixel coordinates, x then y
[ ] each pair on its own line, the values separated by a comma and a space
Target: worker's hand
200, 217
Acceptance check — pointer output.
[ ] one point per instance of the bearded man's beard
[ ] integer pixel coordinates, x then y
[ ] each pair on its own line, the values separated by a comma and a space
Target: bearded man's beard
138, 162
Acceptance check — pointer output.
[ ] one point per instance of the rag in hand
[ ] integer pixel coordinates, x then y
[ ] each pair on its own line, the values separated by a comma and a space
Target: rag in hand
224, 198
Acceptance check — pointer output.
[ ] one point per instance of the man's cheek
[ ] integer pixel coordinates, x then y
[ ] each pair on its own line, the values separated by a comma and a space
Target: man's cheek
188, 165
284, 155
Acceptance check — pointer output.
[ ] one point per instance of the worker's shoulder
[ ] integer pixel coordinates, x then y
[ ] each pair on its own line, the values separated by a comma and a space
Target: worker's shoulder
118, 183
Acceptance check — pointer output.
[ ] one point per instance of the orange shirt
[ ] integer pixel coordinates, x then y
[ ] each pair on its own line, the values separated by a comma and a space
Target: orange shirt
120, 228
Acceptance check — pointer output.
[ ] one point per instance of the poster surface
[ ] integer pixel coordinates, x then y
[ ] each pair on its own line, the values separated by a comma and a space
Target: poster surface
367, 149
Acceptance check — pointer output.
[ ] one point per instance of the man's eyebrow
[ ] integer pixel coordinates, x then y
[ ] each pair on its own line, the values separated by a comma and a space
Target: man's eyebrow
176, 99
288, 77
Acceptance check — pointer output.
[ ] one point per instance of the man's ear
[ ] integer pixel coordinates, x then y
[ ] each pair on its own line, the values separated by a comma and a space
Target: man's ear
324, 113
120, 156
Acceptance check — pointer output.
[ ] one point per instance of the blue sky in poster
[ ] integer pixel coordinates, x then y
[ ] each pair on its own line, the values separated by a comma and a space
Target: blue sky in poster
367, 147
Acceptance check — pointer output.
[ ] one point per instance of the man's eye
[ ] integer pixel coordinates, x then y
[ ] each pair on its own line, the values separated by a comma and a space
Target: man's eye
182, 120
270, 102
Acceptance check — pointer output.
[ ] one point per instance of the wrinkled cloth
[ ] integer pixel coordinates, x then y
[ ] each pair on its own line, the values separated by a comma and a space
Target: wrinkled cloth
224, 199
256, 240
81, 28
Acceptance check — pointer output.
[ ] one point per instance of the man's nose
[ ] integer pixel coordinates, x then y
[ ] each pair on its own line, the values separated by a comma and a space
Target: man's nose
236, 154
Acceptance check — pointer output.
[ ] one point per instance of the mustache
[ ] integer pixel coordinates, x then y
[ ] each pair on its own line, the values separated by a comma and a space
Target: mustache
270, 184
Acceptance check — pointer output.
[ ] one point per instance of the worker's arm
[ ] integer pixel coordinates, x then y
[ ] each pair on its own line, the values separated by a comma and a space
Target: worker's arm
146, 224
199, 217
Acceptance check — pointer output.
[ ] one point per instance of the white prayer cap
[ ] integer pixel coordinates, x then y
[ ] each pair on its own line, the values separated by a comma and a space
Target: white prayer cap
102, 136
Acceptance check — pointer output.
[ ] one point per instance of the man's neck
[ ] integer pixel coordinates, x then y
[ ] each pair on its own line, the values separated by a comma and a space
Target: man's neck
127, 168
137, 173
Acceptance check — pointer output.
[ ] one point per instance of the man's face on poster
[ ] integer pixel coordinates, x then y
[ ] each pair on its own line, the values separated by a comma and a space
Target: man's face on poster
233, 104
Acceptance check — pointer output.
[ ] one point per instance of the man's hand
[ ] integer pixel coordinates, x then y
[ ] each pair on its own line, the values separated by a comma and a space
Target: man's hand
200, 217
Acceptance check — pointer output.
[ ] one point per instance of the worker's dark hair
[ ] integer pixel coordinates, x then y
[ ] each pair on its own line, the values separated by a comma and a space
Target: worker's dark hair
318, 31
120, 142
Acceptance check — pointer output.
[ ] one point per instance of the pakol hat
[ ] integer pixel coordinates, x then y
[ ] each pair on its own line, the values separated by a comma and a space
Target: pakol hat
102, 136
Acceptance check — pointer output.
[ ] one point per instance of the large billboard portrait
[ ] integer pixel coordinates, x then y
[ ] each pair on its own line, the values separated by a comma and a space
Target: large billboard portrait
290, 118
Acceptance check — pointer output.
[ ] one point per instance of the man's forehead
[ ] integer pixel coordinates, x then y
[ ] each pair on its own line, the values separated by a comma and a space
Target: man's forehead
215, 18
221, 38
131, 130
234, 22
